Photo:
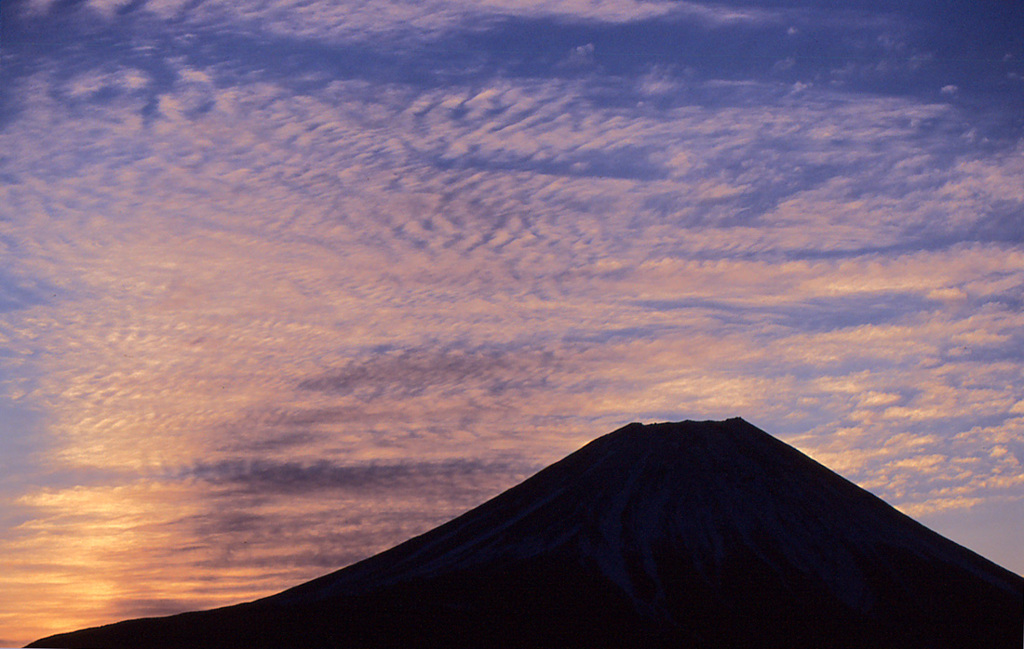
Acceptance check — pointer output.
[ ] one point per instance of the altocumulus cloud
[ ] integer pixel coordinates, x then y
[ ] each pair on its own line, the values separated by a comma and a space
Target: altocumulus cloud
279, 291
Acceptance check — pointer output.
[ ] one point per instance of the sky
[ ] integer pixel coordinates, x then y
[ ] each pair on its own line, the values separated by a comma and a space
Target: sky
286, 282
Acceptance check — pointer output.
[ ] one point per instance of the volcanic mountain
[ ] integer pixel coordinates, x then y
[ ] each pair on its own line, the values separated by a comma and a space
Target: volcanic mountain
692, 534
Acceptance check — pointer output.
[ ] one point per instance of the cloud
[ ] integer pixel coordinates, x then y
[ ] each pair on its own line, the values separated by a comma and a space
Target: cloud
580, 56
401, 19
249, 267
339, 182
261, 477
410, 372
146, 546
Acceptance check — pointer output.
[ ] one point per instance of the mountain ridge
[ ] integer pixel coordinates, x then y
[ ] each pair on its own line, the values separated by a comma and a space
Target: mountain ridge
705, 533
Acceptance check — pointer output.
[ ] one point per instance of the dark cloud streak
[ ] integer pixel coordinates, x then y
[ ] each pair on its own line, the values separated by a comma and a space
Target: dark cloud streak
265, 477
412, 372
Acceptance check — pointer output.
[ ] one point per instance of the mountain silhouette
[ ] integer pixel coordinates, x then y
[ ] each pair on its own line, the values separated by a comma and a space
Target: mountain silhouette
691, 534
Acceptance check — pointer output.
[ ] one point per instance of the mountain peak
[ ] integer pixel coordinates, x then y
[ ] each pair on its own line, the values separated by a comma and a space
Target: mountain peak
694, 533
688, 426
681, 434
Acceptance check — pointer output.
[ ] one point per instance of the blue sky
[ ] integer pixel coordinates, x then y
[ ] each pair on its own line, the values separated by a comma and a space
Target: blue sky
284, 283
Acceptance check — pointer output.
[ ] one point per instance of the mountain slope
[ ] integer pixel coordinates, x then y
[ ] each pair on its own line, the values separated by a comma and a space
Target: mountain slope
703, 534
